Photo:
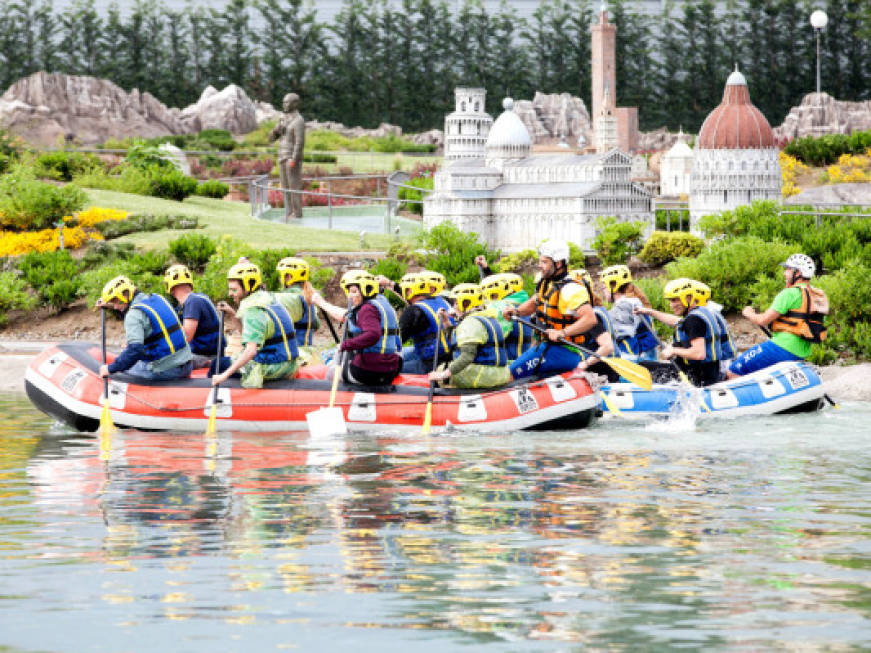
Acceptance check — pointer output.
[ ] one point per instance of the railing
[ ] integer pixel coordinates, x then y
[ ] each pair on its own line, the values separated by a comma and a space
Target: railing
260, 187
863, 210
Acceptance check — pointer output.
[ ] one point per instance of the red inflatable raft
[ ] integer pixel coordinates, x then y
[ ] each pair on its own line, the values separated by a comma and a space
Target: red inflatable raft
63, 382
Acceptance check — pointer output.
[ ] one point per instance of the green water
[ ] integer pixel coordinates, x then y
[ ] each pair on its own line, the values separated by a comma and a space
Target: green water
745, 535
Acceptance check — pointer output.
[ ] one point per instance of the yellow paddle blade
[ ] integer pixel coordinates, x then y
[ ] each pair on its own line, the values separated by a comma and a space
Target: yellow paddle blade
630, 371
612, 408
427, 419
211, 429
106, 425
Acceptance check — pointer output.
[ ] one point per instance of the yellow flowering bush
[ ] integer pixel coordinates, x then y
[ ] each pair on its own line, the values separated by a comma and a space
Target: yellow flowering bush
96, 214
790, 168
851, 168
45, 240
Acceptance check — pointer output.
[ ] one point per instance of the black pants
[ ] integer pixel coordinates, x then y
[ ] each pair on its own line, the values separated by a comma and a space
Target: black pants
699, 374
361, 376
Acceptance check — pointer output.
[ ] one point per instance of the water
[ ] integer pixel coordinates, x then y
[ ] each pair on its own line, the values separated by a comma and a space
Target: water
749, 535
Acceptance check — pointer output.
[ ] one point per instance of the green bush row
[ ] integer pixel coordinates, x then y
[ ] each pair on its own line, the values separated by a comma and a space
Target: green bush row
825, 150
63, 165
413, 198
617, 240
665, 246
135, 223
29, 204
155, 180
832, 244
213, 188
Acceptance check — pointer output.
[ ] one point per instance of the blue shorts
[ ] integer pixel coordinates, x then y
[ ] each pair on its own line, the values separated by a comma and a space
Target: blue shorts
544, 360
759, 357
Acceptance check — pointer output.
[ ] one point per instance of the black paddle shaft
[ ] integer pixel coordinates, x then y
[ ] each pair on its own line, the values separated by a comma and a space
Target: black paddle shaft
220, 354
330, 325
103, 347
562, 341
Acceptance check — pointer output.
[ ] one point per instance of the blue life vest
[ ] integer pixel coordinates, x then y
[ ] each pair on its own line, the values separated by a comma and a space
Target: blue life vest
603, 317
424, 342
718, 341
388, 343
492, 352
167, 335
305, 327
644, 340
205, 340
519, 339
281, 346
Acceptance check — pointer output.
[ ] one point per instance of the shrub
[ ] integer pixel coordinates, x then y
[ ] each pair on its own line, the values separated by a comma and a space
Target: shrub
145, 156
673, 220
92, 281
219, 139
171, 184
213, 188
63, 166
413, 199
26, 203
150, 262
194, 250
5, 162
524, 261
44, 240
135, 223
319, 274
390, 267
730, 267
318, 157
13, 295
53, 275
100, 251
260, 136
825, 150
130, 179
665, 246
452, 252
616, 240
324, 139
267, 259
95, 215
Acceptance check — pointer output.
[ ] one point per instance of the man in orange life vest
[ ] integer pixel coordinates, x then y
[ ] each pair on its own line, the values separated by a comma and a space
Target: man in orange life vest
562, 306
796, 317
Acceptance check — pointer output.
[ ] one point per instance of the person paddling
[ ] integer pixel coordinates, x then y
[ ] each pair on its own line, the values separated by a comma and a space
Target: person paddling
796, 316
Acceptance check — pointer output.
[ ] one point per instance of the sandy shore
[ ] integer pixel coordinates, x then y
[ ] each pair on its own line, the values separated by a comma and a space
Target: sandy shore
843, 383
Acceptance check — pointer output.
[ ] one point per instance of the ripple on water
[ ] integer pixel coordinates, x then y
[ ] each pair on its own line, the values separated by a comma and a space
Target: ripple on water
744, 534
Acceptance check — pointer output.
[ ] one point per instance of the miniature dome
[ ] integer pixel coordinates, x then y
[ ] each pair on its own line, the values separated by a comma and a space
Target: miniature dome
736, 123
509, 138
680, 150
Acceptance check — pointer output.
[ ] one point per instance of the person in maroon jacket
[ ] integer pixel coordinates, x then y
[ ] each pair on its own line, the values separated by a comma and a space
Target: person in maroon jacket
373, 332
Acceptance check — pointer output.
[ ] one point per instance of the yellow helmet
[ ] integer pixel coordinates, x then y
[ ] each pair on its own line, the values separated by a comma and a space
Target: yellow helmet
292, 270
367, 283
120, 288
701, 292
436, 280
615, 276
247, 274
177, 275
499, 286
414, 284
468, 296
682, 289
581, 276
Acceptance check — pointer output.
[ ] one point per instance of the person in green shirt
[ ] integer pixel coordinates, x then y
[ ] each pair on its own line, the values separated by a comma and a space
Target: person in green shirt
269, 347
796, 319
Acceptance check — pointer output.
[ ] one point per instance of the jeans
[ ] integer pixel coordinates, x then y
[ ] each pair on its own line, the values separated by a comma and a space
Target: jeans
143, 370
544, 360
760, 356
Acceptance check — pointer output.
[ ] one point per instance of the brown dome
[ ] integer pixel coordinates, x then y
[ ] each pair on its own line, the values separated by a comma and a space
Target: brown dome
736, 123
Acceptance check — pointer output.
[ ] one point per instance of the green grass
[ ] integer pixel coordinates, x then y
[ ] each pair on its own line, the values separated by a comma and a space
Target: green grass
219, 218
372, 162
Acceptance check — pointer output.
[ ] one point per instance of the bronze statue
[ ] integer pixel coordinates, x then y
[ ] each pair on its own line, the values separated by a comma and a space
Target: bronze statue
291, 132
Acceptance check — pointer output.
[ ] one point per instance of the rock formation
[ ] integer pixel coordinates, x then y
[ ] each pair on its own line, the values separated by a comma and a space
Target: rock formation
820, 114
549, 117
230, 109
46, 108
859, 193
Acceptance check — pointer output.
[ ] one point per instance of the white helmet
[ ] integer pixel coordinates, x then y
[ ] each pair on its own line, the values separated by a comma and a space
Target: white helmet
803, 263
556, 250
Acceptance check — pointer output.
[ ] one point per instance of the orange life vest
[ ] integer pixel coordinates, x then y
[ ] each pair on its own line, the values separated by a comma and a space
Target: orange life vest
807, 320
547, 311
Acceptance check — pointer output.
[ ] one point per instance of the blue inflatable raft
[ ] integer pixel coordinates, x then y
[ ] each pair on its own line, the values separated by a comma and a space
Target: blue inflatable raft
789, 387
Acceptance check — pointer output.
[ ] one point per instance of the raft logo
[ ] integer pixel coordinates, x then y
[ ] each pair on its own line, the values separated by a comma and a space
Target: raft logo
524, 399
72, 380
797, 378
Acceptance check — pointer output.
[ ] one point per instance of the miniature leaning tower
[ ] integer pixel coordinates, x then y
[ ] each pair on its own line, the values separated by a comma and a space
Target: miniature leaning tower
467, 128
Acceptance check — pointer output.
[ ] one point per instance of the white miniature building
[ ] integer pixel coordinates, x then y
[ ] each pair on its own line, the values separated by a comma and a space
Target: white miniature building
736, 161
676, 168
467, 128
514, 200
605, 125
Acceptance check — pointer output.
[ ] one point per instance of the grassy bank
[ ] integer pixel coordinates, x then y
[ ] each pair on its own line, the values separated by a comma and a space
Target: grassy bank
220, 217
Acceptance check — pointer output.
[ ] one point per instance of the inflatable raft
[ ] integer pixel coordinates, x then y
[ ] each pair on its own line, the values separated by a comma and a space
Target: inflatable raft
789, 387
63, 382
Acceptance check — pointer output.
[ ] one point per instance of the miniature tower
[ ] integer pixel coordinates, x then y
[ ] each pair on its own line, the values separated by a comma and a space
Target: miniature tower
603, 49
467, 128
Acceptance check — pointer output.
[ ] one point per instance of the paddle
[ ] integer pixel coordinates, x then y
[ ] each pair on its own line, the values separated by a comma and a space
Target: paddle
427, 415
635, 373
211, 429
106, 425
330, 325
826, 396
330, 420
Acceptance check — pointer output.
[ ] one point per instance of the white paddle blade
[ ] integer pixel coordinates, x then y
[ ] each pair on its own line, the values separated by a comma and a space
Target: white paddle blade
326, 421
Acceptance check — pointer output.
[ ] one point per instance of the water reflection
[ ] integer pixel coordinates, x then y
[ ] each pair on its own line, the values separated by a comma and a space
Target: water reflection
449, 540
